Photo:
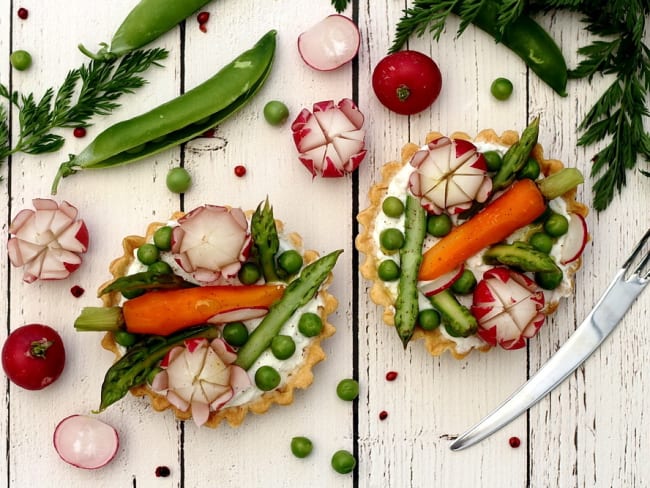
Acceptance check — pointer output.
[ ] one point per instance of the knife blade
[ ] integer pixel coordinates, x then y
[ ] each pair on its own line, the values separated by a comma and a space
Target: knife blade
596, 327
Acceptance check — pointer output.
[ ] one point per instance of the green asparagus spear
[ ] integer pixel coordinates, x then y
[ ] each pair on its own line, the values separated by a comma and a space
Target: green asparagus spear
145, 280
297, 294
265, 240
456, 318
406, 304
516, 156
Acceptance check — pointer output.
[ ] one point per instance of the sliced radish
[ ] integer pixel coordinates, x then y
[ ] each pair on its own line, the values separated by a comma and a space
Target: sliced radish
329, 44
575, 239
441, 283
47, 241
85, 442
330, 139
238, 315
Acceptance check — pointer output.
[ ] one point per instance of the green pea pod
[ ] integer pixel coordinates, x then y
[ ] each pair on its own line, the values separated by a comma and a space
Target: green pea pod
148, 20
180, 119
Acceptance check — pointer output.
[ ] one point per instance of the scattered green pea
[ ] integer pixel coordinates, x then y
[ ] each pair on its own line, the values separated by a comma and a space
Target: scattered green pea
160, 267
549, 280
283, 346
20, 60
310, 324
429, 319
556, 225
276, 112
290, 261
439, 225
388, 270
267, 378
465, 283
493, 160
235, 334
148, 253
162, 238
124, 338
391, 239
531, 170
178, 180
392, 207
501, 88
347, 389
343, 461
249, 273
541, 241
301, 447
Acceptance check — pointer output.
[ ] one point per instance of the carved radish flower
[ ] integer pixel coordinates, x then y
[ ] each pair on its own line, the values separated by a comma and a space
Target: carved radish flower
211, 242
507, 306
449, 175
199, 377
330, 139
47, 241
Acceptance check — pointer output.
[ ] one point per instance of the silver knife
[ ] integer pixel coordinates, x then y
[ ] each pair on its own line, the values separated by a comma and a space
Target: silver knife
601, 321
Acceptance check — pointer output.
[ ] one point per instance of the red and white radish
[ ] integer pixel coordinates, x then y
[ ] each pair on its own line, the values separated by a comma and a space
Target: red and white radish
329, 44
199, 377
85, 442
330, 139
575, 239
211, 242
508, 307
47, 241
435, 286
449, 175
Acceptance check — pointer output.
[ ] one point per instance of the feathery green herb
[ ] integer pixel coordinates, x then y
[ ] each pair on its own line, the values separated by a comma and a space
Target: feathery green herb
97, 86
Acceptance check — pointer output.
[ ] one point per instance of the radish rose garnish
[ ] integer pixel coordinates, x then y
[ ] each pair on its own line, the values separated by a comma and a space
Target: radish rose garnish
330, 140
199, 377
47, 241
507, 306
449, 175
211, 242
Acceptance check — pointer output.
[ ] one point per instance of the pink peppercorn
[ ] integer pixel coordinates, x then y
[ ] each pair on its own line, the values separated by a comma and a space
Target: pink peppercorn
391, 376
77, 291
23, 13
79, 132
383, 415
514, 442
240, 171
202, 17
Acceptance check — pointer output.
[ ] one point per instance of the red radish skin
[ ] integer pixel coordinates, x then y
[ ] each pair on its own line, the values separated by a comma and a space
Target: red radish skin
85, 442
575, 240
329, 44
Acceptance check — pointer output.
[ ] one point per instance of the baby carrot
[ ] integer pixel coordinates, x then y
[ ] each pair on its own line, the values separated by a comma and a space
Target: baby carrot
518, 206
166, 311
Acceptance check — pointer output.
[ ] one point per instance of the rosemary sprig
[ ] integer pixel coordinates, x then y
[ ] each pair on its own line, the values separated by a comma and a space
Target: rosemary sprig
97, 84
340, 5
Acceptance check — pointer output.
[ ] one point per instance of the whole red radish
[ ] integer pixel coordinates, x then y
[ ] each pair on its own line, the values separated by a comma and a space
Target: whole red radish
33, 356
407, 82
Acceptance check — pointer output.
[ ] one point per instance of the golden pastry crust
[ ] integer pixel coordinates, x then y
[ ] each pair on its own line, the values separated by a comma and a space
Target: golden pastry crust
434, 341
302, 377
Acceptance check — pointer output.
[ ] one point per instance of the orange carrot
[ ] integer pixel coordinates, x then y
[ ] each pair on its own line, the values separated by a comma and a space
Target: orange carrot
166, 311
518, 206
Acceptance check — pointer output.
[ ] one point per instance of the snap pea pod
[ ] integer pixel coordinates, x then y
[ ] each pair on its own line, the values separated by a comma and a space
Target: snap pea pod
139, 361
297, 294
520, 255
516, 156
148, 20
410, 255
180, 119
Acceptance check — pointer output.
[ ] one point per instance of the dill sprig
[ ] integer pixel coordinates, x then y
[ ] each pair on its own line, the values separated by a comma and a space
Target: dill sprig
340, 5
97, 86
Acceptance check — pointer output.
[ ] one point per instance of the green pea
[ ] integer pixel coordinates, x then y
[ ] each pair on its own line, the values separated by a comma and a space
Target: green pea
249, 273
310, 324
439, 225
162, 238
391, 239
235, 334
343, 461
465, 283
160, 267
283, 346
124, 338
493, 160
276, 112
541, 241
549, 280
20, 60
501, 88
388, 270
429, 319
290, 261
301, 447
556, 225
178, 180
347, 389
530, 170
392, 207
267, 378
148, 254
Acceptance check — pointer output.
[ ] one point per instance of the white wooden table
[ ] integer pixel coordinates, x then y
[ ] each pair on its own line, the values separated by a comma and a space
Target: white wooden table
592, 431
